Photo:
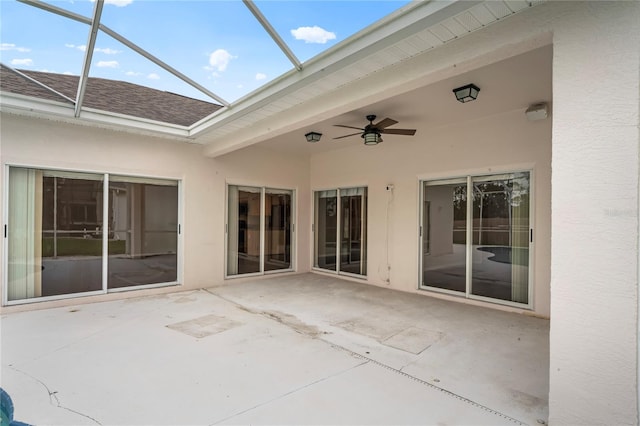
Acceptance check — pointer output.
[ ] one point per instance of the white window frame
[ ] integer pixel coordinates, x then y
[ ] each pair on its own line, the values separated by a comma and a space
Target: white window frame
105, 256
263, 189
422, 182
314, 229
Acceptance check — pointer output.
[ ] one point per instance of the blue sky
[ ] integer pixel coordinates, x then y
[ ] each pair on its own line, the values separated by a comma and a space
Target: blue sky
217, 43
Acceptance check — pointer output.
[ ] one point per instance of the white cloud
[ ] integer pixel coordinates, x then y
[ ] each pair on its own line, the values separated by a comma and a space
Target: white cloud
220, 59
133, 73
261, 76
22, 62
106, 50
11, 46
107, 64
313, 34
153, 76
81, 47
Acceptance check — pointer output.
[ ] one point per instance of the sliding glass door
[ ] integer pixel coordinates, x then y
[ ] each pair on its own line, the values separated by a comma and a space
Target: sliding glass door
55, 240
444, 236
143, 231
340, 230
259, 230
277, 247
500, 255
326, 229
475, 236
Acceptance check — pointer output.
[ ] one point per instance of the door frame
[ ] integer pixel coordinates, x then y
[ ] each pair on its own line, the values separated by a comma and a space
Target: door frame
421, 233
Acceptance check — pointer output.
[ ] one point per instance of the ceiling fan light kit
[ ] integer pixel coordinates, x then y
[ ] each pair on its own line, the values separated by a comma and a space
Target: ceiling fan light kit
372, 133
371, 138
466, 93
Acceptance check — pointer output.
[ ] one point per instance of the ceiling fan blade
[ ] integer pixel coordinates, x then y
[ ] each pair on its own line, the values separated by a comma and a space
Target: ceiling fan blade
408, 132
348, 127
385, 123
346, 136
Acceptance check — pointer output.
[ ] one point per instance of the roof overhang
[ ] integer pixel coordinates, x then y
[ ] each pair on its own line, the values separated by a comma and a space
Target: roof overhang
354, 71
339, 74
65, 113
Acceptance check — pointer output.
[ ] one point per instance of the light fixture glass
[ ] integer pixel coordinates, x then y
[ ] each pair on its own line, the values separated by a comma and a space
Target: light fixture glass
372, 138
466, 93
313, 136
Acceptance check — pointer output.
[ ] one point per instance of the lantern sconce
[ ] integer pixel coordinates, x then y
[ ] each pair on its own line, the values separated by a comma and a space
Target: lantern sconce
467, 93
313, 137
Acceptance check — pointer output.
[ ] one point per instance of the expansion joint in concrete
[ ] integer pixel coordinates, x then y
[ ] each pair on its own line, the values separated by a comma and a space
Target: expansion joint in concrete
425, 383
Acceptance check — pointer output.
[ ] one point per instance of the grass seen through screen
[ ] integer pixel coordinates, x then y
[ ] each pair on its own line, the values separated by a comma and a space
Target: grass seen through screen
81, 247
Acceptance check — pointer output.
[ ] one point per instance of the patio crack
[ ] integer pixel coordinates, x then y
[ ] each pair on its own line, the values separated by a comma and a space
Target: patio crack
53, 395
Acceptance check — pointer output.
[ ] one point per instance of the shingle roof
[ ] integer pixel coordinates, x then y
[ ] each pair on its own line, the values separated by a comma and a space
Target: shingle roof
111, 95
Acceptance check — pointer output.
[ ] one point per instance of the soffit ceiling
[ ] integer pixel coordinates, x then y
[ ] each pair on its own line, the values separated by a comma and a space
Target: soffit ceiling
508, 85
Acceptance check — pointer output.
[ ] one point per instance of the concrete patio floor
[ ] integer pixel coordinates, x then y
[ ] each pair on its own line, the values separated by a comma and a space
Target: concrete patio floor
296, 349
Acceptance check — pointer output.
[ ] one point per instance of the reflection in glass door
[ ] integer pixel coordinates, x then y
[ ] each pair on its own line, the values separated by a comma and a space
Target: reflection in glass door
326, 226
55, 224
143, 231
353, 232
475, 236
243, 230
74, 233
259, 230
444, 228
340, 216
500, 255
277, 250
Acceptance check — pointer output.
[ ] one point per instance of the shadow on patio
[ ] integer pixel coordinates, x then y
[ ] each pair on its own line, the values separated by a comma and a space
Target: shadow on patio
297, 349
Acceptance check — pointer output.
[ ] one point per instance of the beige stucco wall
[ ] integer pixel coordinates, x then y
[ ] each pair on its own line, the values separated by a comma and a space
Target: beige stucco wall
500, 143
594, 268
48, 144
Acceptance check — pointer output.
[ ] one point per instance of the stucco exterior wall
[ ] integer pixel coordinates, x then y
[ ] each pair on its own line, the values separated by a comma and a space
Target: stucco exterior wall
48, 144
500, 143
594, 269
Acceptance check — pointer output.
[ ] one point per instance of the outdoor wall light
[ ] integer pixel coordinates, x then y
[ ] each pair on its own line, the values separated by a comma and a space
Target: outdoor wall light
467, 93
371, 138
313, 136
538, 111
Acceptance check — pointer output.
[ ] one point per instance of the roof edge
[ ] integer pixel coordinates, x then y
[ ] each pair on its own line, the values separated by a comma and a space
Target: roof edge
14, 103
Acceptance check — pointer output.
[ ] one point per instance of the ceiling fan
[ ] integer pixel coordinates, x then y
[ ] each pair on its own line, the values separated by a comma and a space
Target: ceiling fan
371, 133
